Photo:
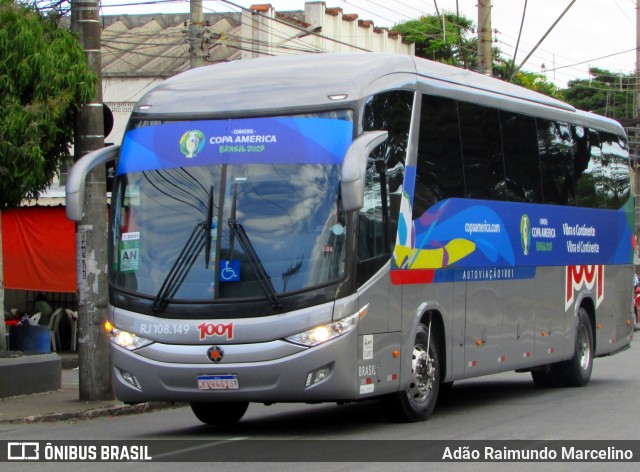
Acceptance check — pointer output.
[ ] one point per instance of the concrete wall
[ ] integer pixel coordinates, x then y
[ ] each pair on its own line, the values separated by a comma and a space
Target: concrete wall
37, 373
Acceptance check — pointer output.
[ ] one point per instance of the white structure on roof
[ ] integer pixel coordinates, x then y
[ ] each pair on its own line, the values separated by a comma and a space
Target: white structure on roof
139, 51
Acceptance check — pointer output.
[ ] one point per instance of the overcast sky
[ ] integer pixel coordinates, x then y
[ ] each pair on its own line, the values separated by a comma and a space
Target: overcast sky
593, 33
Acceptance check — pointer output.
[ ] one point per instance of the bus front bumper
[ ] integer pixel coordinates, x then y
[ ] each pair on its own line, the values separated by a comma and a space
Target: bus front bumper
327, 372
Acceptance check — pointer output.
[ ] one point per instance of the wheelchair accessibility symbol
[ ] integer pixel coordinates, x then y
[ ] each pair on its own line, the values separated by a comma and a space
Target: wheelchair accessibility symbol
229, 271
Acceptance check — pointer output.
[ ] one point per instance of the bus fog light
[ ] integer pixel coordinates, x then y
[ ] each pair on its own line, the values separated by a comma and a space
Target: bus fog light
317, 375
130, 379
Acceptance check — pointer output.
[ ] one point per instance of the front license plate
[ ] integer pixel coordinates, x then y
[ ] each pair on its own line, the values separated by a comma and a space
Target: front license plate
218, 382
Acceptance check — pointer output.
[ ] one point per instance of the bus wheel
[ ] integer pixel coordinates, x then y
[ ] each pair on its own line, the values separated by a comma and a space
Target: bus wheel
219, 413
578, 369
417, 402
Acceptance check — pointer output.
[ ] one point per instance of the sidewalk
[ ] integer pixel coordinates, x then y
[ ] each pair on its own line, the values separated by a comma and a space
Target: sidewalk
64, 404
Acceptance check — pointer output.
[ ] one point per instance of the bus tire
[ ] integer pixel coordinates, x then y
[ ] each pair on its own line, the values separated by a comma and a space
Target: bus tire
417, 402
577, 370
219, 414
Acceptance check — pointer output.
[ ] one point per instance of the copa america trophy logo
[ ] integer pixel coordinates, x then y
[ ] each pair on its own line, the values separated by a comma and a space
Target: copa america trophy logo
191, 143
525, 233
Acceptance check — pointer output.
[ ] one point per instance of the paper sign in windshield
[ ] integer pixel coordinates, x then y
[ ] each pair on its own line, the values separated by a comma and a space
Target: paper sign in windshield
130, 252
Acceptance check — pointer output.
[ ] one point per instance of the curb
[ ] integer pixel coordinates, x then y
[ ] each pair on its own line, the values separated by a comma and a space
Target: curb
116, 410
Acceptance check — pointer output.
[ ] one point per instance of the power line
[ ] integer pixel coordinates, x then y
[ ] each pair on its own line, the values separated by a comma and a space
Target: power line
546, 34
594, 59
148, 2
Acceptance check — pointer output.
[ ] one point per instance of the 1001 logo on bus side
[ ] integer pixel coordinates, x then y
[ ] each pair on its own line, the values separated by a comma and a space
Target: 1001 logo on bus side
580, 276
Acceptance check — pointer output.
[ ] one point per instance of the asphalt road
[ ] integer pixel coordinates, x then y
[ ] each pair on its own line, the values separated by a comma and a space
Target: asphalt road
500, 407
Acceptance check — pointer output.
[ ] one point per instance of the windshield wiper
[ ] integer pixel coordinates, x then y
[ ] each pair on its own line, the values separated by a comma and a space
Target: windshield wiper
207, 241
200, 238
256, 263
181, 266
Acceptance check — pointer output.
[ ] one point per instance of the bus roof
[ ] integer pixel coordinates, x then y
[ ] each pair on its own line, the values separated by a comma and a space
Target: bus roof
283, 84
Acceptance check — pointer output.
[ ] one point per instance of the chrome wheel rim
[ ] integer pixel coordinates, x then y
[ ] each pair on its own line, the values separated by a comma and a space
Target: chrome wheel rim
585, 348
423, 374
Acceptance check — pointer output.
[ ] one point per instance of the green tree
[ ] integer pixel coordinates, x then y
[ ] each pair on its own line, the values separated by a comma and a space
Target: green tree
530, 80
447, 38
44, 80
451, 39
605, 93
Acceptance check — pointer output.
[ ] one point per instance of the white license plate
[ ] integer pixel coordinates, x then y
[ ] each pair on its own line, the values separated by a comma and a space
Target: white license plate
218, 382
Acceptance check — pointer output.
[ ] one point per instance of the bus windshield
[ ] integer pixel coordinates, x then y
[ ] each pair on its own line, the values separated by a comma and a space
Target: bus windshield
229, 209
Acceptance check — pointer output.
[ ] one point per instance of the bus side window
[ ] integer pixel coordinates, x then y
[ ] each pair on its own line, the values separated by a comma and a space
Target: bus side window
556, 148
482, 152
378, 219
521, 163
587, 147
616, 179
439, 172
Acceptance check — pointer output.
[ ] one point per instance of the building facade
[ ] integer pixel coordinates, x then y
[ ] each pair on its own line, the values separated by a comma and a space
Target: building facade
139, 51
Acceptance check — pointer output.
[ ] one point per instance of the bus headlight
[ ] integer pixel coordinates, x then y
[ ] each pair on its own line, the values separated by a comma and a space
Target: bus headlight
323, 333
125, 339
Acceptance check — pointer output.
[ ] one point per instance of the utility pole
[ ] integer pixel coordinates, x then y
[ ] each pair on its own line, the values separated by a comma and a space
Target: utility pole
91, 253
485, 57
196, 32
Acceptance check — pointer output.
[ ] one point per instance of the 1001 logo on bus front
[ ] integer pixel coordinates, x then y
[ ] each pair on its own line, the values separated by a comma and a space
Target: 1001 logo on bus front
583, 276
215, 329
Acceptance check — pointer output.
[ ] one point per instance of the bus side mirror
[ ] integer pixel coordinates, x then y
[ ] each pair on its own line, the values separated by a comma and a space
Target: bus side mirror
74, 189
354, 167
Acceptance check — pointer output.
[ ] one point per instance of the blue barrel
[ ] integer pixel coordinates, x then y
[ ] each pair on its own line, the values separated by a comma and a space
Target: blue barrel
28, 338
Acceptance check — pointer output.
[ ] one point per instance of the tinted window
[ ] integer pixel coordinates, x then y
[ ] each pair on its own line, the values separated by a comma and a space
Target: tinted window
482, 152
378, 219
522, 166
466, 150
615, 171
586, 160
588, 168
439, 172
555, 148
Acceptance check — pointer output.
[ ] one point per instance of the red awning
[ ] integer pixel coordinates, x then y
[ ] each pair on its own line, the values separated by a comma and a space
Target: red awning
39, 249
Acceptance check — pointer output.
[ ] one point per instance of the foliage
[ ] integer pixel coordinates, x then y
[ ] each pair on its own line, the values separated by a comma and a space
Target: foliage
451, 44
530, 80
44, 80
604, 93
537, 83
50, 7
449, 39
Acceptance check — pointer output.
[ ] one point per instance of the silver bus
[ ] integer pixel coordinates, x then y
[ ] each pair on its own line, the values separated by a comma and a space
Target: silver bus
343, 227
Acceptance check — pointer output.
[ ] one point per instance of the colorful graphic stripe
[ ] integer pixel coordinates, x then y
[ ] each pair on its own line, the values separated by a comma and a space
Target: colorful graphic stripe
466, 240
